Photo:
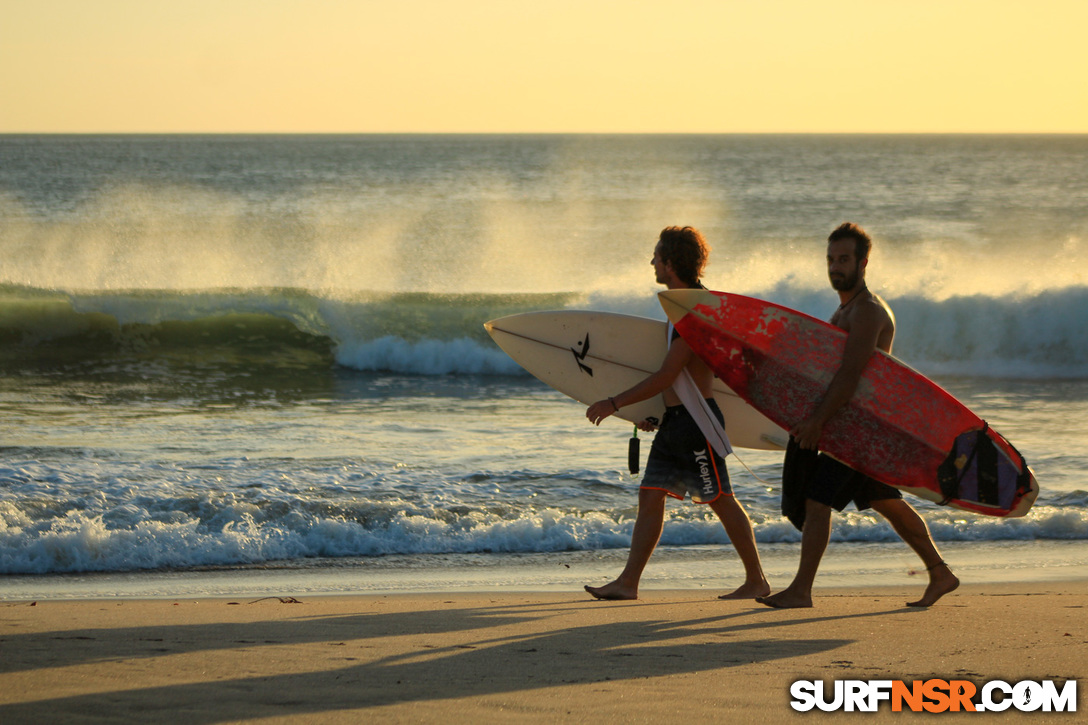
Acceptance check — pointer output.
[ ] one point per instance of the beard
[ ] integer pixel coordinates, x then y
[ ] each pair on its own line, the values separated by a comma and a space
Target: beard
845, 282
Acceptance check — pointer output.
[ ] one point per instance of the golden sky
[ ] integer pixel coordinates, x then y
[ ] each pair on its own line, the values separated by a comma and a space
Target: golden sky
608, 66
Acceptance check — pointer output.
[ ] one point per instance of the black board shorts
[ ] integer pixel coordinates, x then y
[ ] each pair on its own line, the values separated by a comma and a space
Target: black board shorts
835, 484
682, 462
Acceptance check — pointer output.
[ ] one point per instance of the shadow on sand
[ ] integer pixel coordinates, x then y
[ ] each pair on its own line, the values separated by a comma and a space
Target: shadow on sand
500, 649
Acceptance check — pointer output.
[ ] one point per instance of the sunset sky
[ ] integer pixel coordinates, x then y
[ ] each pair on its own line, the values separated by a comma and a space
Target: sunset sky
608, 66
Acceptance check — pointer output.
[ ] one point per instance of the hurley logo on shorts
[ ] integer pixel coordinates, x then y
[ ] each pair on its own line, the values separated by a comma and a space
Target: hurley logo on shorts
703, 460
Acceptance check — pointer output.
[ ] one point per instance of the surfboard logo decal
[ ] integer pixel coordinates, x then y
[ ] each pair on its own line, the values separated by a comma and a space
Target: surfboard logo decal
580, 356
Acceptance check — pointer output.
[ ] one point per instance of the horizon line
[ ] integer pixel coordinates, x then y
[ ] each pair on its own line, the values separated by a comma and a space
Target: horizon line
543, 133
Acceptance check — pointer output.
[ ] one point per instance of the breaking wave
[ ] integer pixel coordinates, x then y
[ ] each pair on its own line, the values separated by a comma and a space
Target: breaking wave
1039, 336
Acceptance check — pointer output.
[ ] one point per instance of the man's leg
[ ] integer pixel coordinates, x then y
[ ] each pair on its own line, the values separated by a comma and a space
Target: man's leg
913, 530
814, 537
648, 525
739, 529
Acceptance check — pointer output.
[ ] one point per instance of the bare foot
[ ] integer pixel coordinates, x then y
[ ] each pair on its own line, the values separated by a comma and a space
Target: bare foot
613, 591
749, 591
941, 582
787, 599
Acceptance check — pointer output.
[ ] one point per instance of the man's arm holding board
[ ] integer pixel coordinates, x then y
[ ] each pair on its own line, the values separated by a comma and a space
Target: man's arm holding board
865, 327
676, 360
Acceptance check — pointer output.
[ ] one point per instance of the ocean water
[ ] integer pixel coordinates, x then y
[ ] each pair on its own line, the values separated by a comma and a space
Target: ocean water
257, 364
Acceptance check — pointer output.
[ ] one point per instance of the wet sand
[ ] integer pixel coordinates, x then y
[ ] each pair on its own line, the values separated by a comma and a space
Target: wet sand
517, 657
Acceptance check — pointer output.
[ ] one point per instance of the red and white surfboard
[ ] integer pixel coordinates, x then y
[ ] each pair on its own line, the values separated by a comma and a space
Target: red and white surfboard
900, 427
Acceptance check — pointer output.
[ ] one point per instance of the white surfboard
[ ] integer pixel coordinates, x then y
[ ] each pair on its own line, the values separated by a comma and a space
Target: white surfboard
590, 356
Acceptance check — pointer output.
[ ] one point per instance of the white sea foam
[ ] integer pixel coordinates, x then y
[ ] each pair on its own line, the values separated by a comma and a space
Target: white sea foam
131, 537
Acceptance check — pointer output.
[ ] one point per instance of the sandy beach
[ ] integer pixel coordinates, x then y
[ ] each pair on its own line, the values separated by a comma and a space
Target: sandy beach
532, 657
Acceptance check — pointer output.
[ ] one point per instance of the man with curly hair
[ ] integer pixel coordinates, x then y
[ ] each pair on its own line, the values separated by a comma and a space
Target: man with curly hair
682, 460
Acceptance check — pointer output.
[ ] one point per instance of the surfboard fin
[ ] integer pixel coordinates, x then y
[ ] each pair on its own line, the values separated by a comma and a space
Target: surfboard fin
975, 470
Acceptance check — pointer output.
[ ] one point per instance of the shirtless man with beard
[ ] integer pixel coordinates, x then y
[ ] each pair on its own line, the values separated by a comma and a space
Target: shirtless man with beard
870, 325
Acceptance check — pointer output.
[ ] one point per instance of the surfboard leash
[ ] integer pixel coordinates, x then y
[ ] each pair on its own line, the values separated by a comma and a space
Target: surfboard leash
754, 474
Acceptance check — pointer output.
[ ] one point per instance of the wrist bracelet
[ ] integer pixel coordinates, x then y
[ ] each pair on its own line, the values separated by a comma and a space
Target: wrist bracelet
615, 407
